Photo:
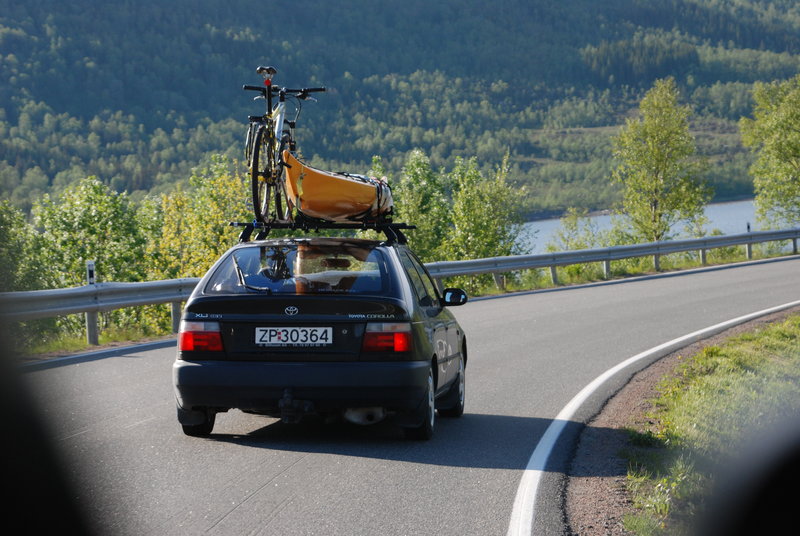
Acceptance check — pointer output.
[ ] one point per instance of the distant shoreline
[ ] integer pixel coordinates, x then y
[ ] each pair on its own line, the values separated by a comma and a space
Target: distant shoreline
556, 214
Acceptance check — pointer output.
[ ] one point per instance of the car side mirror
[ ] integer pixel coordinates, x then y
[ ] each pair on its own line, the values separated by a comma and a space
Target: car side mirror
454, 296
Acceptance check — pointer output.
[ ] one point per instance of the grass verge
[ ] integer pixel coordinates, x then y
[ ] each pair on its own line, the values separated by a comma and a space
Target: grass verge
67, 343
715, 404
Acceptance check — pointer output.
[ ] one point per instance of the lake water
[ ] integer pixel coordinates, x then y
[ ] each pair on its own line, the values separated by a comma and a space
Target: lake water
730, 218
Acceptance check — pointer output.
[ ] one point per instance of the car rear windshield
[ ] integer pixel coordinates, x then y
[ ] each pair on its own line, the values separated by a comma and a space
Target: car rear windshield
302, 268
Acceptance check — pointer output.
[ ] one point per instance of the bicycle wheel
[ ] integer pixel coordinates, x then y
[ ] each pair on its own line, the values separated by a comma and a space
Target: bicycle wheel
266, 177
262, 173
249, 141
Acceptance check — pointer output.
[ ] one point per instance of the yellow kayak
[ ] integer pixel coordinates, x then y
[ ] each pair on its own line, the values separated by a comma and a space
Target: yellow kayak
337, 197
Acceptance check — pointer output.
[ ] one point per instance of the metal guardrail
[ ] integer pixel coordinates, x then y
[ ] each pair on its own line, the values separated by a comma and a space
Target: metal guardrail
498, 265
93, 298
35, 304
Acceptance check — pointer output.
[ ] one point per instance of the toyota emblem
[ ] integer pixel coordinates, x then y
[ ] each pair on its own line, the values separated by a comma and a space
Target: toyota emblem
291, 310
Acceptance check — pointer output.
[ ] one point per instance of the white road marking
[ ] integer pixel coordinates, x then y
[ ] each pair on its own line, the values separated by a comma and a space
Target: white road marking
524, 511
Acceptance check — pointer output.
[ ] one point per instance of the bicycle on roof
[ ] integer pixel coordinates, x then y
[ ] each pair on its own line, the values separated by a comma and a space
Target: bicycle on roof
268, 136
287, 191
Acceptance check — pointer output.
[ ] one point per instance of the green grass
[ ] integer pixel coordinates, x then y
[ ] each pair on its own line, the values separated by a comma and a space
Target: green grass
717, 400
69, 343
66, 334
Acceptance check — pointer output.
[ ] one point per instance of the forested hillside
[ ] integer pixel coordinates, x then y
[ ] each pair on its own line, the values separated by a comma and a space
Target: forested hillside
139, 92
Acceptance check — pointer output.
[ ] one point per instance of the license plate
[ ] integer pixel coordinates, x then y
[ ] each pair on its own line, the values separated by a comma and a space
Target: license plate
289, 336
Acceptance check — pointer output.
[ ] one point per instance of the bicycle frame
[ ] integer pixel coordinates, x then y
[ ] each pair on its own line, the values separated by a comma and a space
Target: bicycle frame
275, 115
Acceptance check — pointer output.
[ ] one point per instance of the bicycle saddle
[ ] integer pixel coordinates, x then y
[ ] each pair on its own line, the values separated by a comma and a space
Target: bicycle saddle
266, 71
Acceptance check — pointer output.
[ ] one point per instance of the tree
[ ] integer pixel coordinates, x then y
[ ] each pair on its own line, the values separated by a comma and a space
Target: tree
578, 231
661, 180
421, 200
89, 221
20, 267
774, 135
188, 230
486, 216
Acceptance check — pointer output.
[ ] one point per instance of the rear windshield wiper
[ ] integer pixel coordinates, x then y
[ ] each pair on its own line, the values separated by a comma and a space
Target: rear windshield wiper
240, 277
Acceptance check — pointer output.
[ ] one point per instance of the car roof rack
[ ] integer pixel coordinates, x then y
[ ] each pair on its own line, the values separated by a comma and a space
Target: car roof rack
393, 231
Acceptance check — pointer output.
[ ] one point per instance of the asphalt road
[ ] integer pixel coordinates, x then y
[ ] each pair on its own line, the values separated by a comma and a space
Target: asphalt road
113, 422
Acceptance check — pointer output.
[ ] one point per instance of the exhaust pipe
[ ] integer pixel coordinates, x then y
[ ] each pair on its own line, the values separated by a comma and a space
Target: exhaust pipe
365, 416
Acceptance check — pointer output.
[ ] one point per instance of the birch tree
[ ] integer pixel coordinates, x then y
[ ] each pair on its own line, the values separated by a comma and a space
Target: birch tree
422, 201
774, 135
660, 176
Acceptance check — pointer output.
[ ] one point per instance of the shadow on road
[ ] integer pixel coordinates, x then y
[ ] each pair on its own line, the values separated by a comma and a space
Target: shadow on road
475, 440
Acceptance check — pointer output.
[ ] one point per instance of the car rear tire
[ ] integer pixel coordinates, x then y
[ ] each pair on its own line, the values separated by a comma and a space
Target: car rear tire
203, 429
428, 414
453, 404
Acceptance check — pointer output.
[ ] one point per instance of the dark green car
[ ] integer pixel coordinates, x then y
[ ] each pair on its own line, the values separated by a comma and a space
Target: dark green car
321, 326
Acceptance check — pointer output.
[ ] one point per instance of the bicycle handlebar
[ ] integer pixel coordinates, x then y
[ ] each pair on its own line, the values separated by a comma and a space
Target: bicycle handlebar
305, 90
276, 90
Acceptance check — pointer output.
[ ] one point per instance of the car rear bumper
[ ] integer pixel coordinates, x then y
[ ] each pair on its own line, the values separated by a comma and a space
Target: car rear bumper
264, 386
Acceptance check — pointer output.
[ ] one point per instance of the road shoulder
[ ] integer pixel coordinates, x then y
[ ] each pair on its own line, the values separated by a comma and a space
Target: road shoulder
595, 498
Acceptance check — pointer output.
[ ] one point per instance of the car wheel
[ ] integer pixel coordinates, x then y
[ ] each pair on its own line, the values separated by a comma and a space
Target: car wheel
425, 430
454, 401
203, 429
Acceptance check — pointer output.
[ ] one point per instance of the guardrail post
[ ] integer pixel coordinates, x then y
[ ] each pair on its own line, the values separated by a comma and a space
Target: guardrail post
794, 246
92, 336
703, 259
657, 262
500, 281
554, 275
175, 314
749, 248
607, 269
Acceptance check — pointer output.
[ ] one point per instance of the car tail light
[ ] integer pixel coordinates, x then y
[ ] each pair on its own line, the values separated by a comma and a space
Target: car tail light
200, 337
387, 337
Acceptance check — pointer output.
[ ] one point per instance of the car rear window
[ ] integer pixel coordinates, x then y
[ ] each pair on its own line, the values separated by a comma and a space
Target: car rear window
301, 268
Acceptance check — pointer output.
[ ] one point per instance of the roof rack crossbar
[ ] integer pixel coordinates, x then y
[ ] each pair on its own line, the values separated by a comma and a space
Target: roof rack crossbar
393, 231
